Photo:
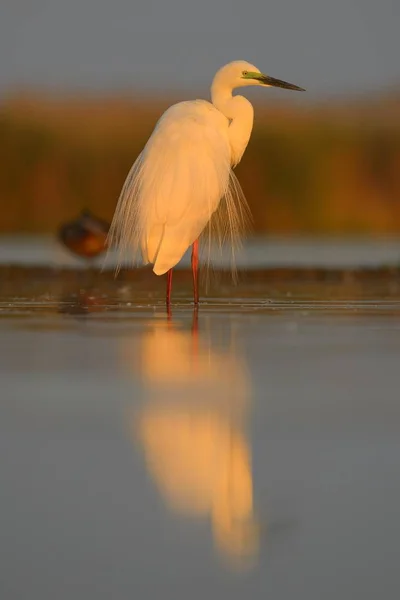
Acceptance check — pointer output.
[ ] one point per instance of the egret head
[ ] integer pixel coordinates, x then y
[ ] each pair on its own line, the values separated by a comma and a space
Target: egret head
240, 73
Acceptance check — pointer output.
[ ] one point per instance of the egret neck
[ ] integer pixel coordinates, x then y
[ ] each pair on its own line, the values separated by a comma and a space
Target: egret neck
239, 111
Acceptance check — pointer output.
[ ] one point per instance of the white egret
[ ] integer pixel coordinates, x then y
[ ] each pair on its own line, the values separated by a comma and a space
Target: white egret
182, 183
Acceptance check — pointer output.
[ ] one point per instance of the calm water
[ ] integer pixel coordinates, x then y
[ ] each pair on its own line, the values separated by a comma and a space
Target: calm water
250, 450
326, 252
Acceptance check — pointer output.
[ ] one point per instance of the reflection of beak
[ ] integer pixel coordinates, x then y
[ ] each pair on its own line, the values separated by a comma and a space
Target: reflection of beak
272, 82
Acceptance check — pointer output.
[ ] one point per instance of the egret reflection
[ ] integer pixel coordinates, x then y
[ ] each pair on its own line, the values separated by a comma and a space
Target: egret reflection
192, 429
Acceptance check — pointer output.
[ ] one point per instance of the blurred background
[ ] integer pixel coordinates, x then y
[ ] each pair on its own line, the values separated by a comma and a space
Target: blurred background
83, 83
252, 447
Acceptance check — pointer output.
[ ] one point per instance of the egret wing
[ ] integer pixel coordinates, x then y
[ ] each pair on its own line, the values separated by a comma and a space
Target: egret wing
176, 185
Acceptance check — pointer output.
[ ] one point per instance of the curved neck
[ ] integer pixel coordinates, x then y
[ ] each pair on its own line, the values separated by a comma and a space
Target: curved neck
240, 113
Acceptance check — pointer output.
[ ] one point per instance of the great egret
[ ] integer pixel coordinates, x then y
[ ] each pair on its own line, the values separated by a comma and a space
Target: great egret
183, 182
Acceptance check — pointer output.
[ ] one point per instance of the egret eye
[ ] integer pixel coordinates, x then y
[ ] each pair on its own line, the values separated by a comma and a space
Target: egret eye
244, 72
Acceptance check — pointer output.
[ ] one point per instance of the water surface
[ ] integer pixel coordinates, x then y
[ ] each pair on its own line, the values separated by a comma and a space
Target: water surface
250, 449
257, 253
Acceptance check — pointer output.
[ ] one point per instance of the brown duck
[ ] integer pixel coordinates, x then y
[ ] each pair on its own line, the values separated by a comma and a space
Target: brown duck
85, 236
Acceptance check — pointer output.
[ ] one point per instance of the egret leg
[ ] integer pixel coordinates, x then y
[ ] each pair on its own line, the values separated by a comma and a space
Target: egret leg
169, 287
195, 270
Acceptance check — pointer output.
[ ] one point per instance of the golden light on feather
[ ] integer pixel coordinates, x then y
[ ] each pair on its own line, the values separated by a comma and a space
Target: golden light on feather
182, 185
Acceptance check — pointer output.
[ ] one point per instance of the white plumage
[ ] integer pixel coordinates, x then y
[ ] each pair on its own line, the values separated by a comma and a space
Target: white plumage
182, 184
176, 185
189, 153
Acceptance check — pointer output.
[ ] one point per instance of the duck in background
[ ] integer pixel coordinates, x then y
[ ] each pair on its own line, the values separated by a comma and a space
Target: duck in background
85, 236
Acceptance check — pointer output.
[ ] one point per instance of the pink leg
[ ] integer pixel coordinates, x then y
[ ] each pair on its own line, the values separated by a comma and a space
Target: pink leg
195, 270
169, 287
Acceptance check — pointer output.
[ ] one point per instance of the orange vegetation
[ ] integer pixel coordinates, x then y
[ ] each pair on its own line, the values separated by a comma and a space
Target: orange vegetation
331, 168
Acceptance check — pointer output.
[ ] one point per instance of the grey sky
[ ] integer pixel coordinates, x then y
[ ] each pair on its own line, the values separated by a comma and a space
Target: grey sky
325, 46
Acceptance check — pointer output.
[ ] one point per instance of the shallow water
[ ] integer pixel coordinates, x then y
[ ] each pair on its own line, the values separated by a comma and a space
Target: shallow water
250, 449
256, 253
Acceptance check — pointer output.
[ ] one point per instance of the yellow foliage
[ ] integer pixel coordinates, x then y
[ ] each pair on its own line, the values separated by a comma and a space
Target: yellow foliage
325, 169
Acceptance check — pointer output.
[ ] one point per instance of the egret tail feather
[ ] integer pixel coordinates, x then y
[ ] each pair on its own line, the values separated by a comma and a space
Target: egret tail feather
181, 187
